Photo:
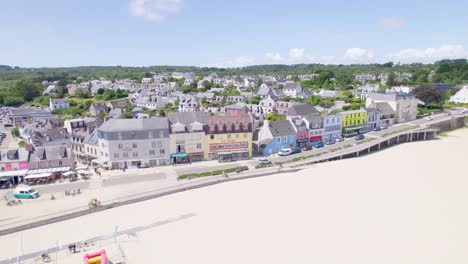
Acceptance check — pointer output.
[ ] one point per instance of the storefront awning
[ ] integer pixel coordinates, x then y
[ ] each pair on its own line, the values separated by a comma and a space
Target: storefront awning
232, 152
36, 176
354, 127
13, 173
179, 155
49, 170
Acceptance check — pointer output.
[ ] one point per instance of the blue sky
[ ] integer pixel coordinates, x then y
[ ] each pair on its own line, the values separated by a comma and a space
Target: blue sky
47, 33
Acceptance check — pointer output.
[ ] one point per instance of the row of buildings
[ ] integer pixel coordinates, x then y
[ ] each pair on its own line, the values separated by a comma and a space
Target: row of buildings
188, 136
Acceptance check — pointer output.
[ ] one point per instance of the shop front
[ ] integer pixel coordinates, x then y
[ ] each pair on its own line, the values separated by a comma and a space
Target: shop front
196, 156
233, 156
179, 158
316, 138
354, 130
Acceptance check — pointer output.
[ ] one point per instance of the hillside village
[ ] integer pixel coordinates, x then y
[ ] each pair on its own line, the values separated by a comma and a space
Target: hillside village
178, 117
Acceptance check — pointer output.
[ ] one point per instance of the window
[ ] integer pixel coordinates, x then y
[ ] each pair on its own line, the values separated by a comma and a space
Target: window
161, 134
119, 136
125, 154
278, 139
229, 136
159, 144
152, 152
134, 145
135, 154
150, 134
107, 154
162, 151
245, 135
153, 144
116, 155
120, 146
60, 163
285, 139
199, 146
211, 136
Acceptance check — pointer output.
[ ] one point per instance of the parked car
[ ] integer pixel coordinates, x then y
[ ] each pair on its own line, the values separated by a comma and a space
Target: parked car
339, 139
285, 152
307, 148
264, 161
319, 144
359, 137
330, 142
428, 118
25, 193
377, 129
384, 127
5, 183
295, 150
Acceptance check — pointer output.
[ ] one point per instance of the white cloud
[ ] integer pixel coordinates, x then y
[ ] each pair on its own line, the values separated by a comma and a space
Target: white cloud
273, 57
392, 22
429, 54
358, 54
154, 10
296, 54
241, 61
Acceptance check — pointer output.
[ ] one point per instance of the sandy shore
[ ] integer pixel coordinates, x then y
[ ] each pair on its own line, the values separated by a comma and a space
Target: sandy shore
406, 204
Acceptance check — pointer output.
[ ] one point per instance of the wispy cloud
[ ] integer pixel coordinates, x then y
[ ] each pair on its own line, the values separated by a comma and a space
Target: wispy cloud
429, 54
358, 55
273, 57
392, 22
241, 61
154, 10
296, 54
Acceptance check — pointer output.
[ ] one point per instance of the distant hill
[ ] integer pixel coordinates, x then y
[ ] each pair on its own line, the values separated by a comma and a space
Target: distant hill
6, 67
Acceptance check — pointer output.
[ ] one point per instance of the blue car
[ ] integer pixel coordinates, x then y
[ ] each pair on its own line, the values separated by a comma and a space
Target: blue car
359, 137
319, 144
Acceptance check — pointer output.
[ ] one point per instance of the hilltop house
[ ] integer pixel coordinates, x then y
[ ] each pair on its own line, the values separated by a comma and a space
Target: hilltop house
57, 104
97, 108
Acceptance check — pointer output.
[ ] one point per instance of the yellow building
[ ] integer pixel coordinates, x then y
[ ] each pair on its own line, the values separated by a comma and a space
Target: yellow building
228, 138
354, 121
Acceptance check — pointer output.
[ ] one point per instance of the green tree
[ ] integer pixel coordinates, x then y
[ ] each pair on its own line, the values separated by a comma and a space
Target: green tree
429, 95
15, 132
161, 112
391, 81
126, 115
13, 101
207, 84
82, 93
27, 90
274, 117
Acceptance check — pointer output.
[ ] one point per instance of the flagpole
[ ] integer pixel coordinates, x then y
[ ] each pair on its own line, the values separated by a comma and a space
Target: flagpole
20, 248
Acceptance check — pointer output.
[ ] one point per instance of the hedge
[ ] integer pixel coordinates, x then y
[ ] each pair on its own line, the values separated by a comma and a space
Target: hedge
211, 173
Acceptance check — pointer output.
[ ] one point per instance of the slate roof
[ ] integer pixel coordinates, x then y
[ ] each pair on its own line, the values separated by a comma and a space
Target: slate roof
383, 108
114, 125
302, 110
186, 119
281, 128
49, 153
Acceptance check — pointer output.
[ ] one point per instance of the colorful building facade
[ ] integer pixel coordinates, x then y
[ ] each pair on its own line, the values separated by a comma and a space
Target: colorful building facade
354, 121
228, 138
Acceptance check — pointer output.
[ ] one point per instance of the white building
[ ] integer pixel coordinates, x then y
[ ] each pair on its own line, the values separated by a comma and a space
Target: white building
461, 96
267, 105
292, 89
126, 143
57, 104
404, 105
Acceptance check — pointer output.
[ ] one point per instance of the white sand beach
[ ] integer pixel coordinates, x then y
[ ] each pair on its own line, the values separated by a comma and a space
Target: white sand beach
406, 204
